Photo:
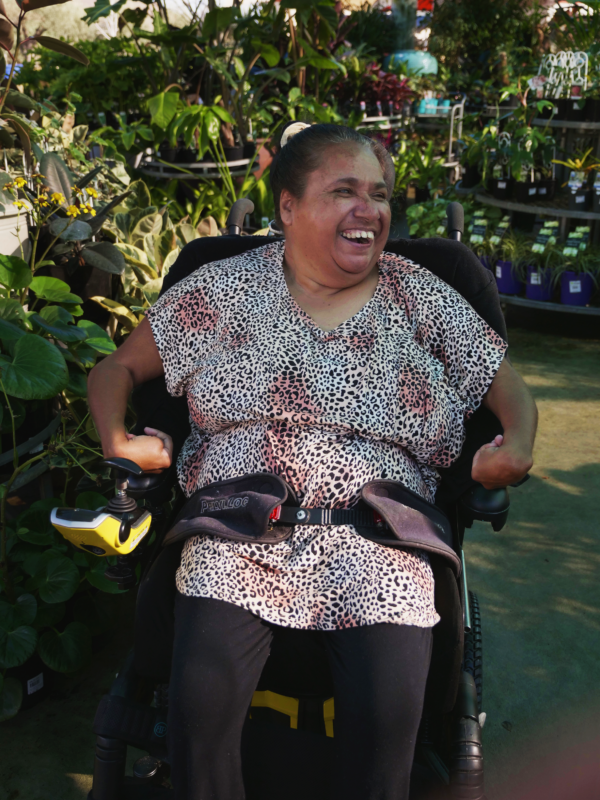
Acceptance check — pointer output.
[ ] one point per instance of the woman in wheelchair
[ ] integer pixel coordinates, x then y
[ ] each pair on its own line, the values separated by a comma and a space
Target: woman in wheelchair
332, 365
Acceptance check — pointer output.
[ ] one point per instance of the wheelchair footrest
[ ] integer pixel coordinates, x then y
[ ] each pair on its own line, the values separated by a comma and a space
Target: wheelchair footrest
136, 724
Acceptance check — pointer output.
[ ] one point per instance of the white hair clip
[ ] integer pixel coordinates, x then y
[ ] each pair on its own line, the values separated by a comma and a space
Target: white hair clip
292, 130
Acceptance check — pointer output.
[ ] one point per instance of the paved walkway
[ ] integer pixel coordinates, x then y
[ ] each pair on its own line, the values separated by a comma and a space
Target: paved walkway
539, 586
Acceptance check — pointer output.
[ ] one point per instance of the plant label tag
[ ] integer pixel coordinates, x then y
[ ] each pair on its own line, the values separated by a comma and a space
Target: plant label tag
532, 191
536, 279
575, 287
580, 198
498, 271
502, 184
37, 683
543, 190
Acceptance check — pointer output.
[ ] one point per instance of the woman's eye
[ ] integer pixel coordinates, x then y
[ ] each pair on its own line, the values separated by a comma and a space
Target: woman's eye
344, 191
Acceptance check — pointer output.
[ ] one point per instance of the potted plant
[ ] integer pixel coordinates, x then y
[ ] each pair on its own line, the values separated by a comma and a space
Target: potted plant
577, 276
509, 270
581, 166
539, 284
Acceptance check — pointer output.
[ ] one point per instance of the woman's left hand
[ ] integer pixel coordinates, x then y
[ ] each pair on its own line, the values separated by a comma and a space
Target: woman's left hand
497, 464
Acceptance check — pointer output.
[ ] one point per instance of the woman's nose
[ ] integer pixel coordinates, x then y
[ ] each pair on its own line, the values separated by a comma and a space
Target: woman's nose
366, 208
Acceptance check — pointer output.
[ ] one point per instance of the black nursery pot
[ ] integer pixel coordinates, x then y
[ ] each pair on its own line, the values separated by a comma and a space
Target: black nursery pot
168, 153
500, 188
581, 200
422, 195
576, 110
249, 150
596, 203
471, 177
35, 678
187, 156
234, 153
525, 192
546, 189
592, 109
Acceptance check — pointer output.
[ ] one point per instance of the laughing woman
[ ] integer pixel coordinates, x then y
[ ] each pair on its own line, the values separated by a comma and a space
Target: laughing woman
329, 363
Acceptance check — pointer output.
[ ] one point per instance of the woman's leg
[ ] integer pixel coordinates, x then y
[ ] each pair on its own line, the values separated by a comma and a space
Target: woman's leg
218, 656
379, 674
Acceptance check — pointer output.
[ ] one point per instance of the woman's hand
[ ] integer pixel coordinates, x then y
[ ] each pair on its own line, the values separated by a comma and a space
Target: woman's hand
496, 465
152, 452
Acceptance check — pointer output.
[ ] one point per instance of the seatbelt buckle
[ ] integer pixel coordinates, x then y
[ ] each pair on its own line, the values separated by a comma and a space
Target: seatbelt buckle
378, 519
275, 514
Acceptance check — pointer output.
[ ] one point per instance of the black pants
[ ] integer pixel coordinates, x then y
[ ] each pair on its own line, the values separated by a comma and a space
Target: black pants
219, 651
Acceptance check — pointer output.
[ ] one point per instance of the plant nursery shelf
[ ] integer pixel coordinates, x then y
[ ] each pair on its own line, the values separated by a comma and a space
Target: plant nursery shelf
512, 300
194, 171
563, 123
550, 209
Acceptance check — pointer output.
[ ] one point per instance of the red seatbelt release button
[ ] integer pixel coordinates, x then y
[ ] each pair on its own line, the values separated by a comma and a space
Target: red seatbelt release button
275, 514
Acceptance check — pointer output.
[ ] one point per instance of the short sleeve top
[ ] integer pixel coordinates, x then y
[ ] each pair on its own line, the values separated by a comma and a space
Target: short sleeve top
383, 395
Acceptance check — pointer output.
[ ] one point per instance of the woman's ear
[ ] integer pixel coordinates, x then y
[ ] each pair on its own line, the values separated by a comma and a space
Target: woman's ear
286, 207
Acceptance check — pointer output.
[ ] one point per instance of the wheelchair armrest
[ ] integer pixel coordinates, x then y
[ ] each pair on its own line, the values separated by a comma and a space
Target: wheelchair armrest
486, 505
159, 483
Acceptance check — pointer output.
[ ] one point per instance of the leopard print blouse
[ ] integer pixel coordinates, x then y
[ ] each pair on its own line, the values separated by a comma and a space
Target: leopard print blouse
384, 395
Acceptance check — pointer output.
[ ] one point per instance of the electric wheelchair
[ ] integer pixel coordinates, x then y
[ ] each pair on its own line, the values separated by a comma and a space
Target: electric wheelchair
287, 740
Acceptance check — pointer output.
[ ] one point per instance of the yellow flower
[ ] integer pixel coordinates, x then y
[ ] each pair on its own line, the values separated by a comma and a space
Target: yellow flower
42, 200
38, 176
57, 197
20, 204
92, 192
87, 207
19, 182
77, 190
72, 211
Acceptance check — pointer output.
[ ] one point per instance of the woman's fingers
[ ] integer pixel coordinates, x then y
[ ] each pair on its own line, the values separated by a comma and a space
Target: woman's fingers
166, 439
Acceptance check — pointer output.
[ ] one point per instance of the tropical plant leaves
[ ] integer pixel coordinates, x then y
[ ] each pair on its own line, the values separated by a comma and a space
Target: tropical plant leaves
70, 230
14, 272
58, 177
10, 332
38, 370
54, 290
66, 651
16, 646
57, 579
90, 501
11, 697
63, 48
60, 331
104, 256
163, 107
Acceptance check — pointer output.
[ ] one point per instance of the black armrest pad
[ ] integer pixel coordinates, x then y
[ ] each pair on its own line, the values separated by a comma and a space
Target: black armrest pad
486, 505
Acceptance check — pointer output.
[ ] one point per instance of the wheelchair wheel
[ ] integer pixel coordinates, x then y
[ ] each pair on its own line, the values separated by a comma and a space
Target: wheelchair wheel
472, 659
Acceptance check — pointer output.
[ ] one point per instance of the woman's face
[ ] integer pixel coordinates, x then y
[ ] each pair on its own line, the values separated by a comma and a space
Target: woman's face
341, 224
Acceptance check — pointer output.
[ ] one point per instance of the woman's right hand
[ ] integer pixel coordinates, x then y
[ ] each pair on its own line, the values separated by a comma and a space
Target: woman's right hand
152, 452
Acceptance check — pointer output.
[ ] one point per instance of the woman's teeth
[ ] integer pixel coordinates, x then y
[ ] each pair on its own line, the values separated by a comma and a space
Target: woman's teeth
359, 235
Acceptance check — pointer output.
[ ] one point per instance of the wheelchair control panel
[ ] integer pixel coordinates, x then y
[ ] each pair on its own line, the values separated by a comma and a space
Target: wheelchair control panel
114, 530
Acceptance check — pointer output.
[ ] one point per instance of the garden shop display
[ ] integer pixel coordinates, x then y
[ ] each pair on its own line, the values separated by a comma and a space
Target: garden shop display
96, 227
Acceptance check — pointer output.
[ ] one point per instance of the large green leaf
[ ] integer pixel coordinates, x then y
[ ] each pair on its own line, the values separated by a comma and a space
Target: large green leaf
63, 48
20, 613
104, 256
77, 383
162, 108
10, 332
14, 272
152, 223
57, 580
151, 290
60, 331
38, 370
217, 20
16, 646
49, 614
54, 290
36, 536
66, 651
57, 176
71, 230
56, 314
11, 697
139, 196
90, 501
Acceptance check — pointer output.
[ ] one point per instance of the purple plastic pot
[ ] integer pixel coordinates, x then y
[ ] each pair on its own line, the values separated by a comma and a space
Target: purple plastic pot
507, 282
487, 262
575, 288
539, 284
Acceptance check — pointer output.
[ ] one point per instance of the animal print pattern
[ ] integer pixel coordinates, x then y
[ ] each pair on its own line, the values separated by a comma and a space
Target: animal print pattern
384, 395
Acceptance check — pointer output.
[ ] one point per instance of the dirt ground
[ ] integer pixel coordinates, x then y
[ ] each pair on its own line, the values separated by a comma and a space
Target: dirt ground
538, 582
